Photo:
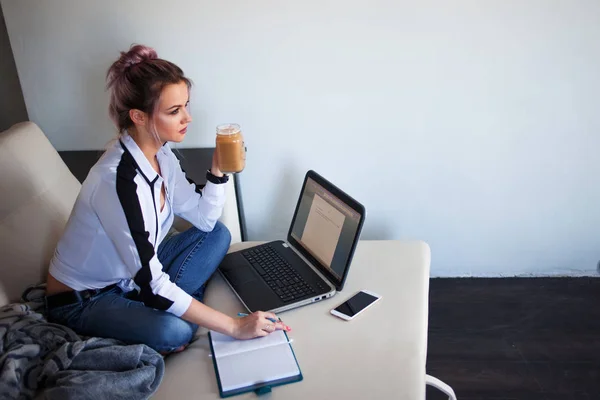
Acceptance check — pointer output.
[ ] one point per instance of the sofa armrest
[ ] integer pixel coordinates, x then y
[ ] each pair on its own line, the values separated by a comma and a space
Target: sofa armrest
231, 212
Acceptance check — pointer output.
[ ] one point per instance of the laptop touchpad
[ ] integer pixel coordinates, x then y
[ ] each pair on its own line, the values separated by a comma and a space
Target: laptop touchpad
241, 275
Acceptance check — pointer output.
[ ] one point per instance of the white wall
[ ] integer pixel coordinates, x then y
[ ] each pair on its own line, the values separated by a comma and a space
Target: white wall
472, 125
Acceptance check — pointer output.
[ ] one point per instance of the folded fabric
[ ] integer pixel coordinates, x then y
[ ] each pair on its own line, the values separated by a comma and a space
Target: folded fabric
49, 361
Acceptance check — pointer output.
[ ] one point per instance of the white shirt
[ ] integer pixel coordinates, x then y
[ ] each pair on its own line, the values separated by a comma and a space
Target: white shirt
165, 219
114, 229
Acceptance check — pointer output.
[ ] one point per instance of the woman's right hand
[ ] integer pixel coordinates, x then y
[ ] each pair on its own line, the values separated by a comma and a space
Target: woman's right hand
257, 324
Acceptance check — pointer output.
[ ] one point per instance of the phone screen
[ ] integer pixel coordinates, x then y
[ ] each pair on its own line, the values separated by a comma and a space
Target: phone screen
355, 304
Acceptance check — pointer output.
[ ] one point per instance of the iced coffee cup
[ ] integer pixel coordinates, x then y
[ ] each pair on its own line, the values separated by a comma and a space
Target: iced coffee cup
230, 148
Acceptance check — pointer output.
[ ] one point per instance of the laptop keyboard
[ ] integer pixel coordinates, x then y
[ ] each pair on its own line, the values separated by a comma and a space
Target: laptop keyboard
279, 274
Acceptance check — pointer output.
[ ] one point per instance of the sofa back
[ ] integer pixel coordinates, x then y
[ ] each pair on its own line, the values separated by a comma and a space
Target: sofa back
37, 194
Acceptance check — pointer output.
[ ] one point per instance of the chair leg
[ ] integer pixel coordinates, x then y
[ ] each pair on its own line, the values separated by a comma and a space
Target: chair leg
441, 386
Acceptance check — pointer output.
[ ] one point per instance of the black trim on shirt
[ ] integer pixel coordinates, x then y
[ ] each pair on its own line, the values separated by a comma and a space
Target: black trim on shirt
127, 193
126, 150
198, 188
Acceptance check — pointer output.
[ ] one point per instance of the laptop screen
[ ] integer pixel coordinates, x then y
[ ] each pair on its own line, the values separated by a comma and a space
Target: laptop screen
326, 227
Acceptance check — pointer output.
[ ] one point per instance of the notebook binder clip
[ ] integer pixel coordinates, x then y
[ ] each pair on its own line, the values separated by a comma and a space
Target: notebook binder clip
263, 390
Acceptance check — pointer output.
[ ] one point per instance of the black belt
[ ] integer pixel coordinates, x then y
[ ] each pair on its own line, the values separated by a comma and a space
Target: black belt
74, 296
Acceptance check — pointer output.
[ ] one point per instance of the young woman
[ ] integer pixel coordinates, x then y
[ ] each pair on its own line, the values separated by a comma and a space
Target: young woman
115, 273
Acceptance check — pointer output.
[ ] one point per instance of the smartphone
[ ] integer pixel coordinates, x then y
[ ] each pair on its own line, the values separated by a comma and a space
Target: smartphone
355, 305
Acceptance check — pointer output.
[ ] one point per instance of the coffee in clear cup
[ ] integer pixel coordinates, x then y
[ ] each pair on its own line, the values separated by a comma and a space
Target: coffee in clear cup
230, 148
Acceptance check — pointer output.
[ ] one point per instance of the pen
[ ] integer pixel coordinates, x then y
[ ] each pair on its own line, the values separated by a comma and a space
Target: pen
241, 314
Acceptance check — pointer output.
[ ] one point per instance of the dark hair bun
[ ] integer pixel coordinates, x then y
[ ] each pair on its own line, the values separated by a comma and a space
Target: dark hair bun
136, 54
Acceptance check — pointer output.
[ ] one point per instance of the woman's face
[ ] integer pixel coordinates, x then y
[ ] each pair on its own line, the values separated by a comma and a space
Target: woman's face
172, 116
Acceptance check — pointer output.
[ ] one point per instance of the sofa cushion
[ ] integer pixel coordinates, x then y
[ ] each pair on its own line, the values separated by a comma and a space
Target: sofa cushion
189, 374
38, 193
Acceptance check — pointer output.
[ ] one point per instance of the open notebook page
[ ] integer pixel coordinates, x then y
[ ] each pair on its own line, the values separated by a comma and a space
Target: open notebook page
258, 361
224, 345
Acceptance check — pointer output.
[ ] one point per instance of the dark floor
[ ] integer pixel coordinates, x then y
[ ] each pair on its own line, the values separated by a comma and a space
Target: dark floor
515, 338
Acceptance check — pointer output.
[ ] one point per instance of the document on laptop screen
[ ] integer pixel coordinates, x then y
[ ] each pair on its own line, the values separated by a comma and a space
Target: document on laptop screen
323, 228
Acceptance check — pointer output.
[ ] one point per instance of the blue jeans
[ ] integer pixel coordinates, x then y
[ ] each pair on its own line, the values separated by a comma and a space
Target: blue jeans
189, 258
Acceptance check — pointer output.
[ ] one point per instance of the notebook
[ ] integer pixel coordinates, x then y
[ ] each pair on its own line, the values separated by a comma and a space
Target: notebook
253, 365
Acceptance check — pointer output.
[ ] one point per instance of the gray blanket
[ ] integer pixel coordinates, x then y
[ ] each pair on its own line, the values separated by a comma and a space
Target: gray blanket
42, 360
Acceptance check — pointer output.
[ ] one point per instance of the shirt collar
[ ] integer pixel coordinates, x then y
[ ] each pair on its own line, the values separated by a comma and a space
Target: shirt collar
139, 157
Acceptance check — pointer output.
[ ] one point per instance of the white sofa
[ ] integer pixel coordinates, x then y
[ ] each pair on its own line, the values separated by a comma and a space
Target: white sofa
38, 193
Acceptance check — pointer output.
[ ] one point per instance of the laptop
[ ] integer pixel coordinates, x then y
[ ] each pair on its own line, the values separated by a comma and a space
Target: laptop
312, 264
